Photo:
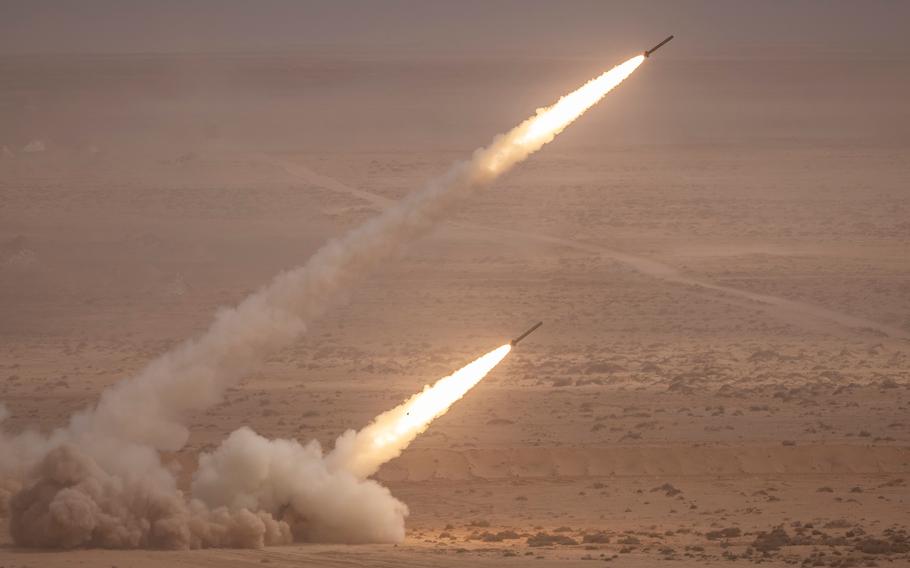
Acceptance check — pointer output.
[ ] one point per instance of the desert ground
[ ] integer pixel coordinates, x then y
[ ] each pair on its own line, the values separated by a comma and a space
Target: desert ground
723, 374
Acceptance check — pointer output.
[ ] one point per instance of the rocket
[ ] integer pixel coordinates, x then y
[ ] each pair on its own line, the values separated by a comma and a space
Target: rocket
515, 341
656, 47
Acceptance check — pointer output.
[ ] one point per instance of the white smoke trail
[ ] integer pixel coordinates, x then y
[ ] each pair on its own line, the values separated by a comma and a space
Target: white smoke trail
116, 443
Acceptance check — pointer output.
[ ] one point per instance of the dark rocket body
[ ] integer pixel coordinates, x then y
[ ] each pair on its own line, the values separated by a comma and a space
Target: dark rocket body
527, 333
656, 47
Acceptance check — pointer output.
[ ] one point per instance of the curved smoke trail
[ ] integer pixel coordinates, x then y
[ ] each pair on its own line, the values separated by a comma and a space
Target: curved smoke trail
85, 477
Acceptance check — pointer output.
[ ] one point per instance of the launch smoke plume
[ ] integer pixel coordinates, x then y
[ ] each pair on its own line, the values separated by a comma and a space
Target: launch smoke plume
249, 472
99, 481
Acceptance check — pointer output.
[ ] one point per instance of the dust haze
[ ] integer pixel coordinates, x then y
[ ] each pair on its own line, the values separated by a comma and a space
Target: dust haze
228, 261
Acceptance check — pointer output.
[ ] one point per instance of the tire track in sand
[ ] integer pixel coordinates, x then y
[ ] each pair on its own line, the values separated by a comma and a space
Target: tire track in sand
782, 308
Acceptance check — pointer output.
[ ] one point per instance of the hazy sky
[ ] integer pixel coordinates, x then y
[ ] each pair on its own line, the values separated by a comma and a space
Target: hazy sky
453, 28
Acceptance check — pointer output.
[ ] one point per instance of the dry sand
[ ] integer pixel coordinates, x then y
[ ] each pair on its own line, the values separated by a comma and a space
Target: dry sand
724, 366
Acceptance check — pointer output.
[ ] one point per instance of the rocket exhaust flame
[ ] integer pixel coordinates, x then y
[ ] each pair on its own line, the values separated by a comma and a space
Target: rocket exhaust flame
535, 132
118, 493
362, 453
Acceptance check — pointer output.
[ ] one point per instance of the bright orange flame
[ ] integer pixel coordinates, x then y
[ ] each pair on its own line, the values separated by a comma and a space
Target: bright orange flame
535, 132
416, 414
362, 453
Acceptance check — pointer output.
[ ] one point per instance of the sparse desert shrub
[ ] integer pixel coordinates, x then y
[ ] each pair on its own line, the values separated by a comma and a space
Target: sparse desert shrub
874, 546
499, 536
898, 544
603, 368
544, 539
668, 489
771, 541
598, 537
729, 532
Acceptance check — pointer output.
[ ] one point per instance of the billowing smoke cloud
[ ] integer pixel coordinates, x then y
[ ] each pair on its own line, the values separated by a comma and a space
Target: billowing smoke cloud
99, 481
328, 498
76, 503
284, 477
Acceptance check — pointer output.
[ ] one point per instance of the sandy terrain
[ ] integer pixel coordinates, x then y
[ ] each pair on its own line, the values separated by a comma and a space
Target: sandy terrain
724, 369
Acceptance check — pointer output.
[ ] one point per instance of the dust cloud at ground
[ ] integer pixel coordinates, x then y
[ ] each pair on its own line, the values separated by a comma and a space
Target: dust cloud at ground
721, 265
